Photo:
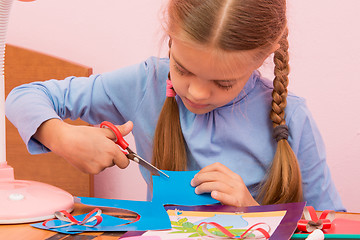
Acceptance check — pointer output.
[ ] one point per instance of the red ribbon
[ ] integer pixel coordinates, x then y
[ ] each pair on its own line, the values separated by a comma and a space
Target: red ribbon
312, 222
67, 217
228, 235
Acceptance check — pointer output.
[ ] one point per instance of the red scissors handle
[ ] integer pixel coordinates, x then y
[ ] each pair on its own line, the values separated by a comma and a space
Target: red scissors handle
119, 138
130, 154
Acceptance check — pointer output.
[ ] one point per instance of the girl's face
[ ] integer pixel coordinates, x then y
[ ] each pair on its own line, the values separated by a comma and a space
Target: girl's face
205, 78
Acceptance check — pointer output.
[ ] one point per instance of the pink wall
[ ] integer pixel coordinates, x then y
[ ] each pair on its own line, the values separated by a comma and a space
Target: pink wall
325, 57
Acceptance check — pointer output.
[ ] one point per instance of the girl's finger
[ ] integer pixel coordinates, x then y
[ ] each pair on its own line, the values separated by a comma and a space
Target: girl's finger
121, 162
203, 177
224, 198
120, 159
126, 128
208, 187
219, 168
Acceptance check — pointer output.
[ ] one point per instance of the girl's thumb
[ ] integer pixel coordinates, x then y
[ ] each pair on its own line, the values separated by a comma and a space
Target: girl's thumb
126, 128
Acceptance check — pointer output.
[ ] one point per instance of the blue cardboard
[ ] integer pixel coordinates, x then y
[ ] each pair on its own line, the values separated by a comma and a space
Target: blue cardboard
175, 190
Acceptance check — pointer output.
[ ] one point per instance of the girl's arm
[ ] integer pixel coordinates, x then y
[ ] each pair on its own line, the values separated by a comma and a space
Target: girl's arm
90, 149
113, 96
37, 110
30, 105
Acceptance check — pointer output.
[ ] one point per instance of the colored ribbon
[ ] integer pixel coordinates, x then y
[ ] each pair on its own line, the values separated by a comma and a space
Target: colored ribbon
264, 234
312, 222
169, 89
94, 215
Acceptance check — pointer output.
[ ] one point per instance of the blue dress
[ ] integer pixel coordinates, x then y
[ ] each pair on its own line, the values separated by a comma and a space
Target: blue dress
239, 134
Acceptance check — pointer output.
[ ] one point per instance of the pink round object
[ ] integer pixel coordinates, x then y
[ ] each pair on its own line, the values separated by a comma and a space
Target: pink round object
30, 201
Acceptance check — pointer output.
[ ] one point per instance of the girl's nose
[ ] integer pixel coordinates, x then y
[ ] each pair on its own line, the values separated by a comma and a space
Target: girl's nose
199, 89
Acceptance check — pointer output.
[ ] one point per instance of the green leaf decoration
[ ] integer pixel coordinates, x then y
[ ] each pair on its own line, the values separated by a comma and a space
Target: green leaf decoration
188, 225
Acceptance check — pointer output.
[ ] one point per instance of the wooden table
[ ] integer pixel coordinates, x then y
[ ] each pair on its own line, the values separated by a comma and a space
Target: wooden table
26, 232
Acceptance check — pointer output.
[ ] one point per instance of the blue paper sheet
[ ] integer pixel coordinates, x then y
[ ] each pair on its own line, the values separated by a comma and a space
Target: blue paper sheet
177, 190
152, 215
173, 190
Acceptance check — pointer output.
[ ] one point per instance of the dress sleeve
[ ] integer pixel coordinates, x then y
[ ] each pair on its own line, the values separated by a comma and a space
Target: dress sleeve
305, 139
111, 96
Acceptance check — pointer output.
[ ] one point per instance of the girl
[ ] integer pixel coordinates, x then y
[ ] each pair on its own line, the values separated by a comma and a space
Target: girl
206, 107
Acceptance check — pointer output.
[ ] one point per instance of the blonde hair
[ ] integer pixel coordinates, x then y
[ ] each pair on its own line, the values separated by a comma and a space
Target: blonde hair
233, 25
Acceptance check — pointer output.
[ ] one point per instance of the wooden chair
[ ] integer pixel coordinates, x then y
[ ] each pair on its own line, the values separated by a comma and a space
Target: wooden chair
23, 66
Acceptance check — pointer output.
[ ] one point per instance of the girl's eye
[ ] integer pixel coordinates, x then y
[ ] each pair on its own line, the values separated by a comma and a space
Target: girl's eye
223, 85
180, 70
227, 86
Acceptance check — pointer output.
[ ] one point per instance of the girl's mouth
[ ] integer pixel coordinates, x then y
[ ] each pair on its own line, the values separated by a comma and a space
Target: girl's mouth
195, 105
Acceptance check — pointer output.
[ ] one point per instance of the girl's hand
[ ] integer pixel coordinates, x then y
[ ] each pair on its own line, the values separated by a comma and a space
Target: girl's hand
90, 149
224, 186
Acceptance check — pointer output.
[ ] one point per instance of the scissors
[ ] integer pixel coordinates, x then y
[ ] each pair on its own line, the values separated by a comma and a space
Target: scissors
131, 154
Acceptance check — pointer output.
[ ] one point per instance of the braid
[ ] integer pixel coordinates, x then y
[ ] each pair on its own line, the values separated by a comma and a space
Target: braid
281, 81
169, 152
283, 183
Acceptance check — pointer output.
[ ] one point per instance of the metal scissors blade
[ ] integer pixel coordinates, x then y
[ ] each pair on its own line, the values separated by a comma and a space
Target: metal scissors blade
136, 158
131, 154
